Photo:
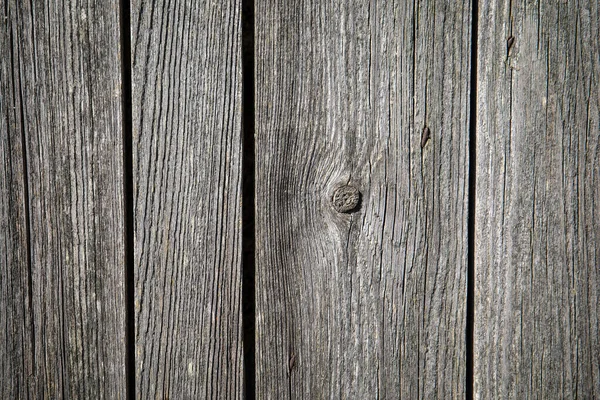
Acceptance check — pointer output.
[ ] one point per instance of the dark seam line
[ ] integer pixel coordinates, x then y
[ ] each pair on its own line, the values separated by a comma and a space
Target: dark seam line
124, 16
248, 201
471, 212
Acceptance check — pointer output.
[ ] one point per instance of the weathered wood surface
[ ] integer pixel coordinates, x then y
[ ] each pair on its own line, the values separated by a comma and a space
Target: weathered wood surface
369, 304
61, 289
16, 336
186, 89
537, 266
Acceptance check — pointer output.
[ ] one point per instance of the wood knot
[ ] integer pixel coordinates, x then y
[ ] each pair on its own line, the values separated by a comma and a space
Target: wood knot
345, 199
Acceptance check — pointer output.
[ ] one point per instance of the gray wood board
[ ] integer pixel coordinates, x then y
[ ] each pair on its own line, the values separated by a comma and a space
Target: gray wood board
537, 260
62, 294
186, 89
370, 304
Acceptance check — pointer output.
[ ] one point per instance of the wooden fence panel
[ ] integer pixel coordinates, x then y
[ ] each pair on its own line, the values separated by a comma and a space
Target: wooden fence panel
370, 303
186, 89
537, 269
62, 263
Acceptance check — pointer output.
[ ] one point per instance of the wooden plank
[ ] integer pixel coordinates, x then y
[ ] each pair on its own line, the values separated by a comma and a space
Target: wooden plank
537, 261
186, 87
63, 295
369, 304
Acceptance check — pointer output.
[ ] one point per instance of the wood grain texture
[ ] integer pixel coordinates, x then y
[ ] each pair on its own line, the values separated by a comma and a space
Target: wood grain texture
368, 304
186, 87
537, 266
16, 336
62, 295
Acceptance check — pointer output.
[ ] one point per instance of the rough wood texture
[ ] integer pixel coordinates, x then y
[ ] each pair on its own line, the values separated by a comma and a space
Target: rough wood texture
61, 296
537, 292
369, 304
186, 165
16, 336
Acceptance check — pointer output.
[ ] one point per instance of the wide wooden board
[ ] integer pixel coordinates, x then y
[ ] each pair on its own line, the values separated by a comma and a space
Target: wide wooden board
537, 222
370, 304
186, 91
62, 296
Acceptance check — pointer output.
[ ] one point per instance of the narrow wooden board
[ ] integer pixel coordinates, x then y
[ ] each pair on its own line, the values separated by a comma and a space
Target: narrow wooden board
186, 89
370, 304
537, 260
62, 298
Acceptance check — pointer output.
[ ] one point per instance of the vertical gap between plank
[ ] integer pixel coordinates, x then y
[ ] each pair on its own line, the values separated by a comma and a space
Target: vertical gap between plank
248, 201
124, 22
472, 194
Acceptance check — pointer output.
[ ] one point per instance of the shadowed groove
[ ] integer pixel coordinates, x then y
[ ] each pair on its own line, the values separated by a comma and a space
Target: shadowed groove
125, 22
248, 200
471, 207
